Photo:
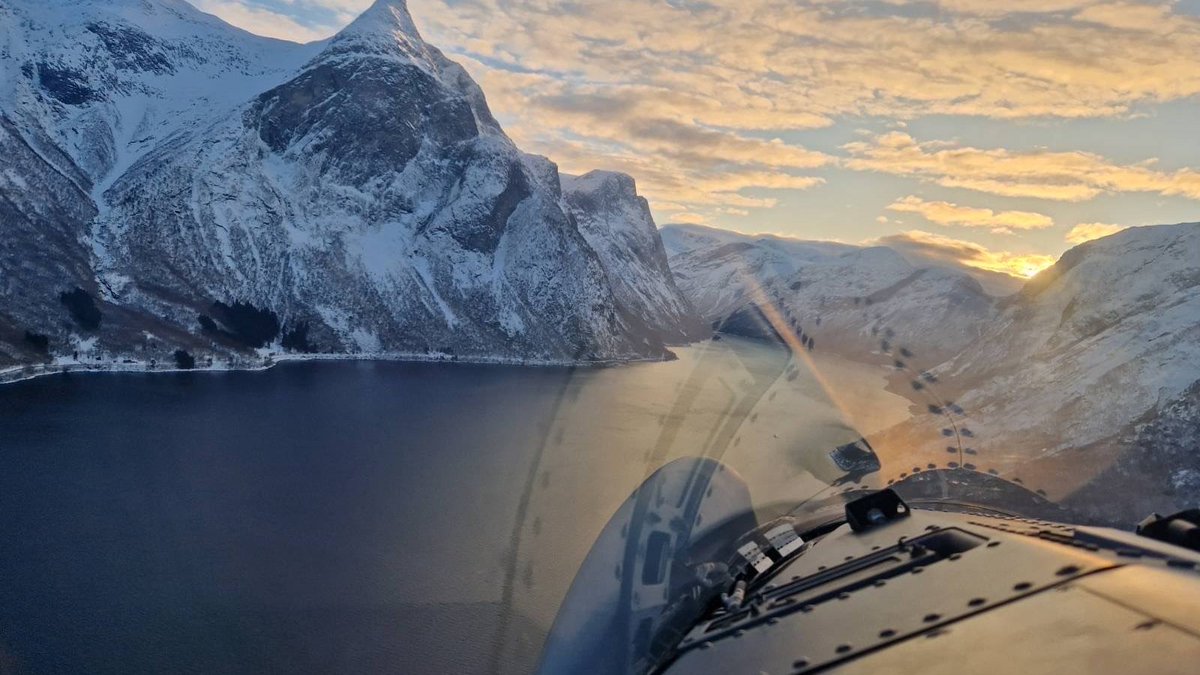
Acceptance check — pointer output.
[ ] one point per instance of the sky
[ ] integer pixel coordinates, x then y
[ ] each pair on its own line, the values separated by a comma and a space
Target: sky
998, 133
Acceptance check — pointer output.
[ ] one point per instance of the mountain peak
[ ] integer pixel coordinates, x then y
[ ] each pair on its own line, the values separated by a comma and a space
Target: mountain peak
386, 30
385, 18
597, 180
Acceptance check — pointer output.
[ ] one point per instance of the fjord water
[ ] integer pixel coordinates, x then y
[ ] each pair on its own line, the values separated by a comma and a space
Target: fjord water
367, 516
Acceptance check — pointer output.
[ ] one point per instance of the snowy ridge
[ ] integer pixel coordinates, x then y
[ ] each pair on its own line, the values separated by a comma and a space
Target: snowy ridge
859, 301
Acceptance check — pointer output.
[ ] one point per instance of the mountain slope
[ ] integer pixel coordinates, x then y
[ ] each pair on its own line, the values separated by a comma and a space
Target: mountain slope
1113, 327
866, 303
356, 194
1086, 382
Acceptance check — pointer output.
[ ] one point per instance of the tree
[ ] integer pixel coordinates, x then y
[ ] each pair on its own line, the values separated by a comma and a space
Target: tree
247, 324
82, 307
184, 360
296, 339
39, 342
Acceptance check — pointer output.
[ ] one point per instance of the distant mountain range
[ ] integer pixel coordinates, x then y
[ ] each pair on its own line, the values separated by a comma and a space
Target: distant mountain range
850, 299
174, 183
1084, 383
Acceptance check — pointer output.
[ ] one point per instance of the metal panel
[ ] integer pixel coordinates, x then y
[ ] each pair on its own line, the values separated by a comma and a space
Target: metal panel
1068, 630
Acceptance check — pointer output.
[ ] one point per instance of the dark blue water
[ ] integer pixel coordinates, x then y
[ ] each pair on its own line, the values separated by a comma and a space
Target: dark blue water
313, 518
350, 517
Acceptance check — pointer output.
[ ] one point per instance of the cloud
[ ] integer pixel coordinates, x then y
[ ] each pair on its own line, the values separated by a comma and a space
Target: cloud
947, 213
707, 84
699, 97
1063, 176
261, 21
956, 251
775, 64
1089, 231
688, 218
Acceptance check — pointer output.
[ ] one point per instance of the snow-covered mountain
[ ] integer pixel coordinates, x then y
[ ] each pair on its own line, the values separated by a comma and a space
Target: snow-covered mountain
617, 224
1087, 382
208, 189
1084, 385
866, 303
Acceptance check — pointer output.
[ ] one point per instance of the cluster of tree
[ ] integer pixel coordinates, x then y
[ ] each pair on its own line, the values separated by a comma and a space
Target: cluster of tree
38, 341
296, 340
82, 307
243, 323
184, 360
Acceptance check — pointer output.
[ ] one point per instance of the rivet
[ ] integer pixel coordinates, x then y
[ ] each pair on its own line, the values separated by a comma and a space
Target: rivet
880, 583
1069, 569
800, 663
975, 602
1023, 586
930, 618
955, 556
887, 633
772, 621
842, 649
843, 596
739, 633
993, 544
806, 608
705, 645
918, 570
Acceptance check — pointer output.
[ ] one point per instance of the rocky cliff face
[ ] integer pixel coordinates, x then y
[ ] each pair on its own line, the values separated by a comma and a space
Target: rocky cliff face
215, 191
617, 224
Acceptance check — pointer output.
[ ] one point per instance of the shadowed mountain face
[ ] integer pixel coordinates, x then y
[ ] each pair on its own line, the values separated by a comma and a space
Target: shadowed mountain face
356, 190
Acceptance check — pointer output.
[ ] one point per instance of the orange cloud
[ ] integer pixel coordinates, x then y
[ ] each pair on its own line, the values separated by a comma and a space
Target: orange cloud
943, 248
1089, 231
947, 213
1064, 176
693, 98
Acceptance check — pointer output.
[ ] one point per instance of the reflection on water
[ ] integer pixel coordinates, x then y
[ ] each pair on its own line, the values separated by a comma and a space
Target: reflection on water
366, 516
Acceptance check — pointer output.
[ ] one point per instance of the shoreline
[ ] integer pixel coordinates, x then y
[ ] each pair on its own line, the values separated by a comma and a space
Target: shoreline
24, 373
